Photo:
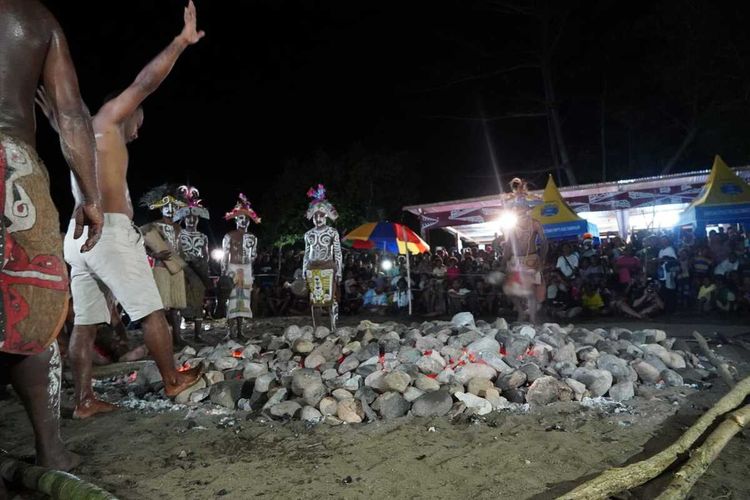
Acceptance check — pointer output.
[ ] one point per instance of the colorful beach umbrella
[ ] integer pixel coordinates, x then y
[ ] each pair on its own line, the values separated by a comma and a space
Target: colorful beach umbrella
387, 236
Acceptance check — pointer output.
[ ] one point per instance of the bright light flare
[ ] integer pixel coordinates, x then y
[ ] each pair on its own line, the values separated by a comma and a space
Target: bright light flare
217, 254
507, 220
386, 265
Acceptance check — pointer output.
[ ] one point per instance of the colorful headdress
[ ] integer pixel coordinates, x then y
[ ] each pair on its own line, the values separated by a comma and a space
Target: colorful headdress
161, 196
519, 197
319, 203
194, 204
243, 208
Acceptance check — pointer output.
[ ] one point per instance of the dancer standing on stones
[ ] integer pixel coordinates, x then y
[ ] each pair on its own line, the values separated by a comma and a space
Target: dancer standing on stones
119, 260
33, 280
240, 249
322, 262
162, 244
525, 252
194, 251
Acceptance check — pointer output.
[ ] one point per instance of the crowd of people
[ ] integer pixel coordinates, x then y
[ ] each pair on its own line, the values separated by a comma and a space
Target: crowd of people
651, 274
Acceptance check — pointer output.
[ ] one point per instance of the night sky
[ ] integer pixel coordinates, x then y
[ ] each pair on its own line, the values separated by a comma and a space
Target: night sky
277, 80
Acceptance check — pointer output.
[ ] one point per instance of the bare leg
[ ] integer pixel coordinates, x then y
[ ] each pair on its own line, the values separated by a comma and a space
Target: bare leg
159, 343
36, 379
198, 328
532, 305
81, 356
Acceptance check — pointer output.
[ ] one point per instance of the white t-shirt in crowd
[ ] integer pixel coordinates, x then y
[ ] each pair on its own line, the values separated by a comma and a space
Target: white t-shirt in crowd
667, 252
567, 267
725, 267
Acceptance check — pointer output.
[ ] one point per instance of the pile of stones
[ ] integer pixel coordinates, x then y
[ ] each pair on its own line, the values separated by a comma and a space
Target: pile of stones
389, 370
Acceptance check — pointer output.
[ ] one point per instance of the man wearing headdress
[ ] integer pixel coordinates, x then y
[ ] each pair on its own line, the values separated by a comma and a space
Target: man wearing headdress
525, 250
165, 250
194, 251
240, 249
322, 262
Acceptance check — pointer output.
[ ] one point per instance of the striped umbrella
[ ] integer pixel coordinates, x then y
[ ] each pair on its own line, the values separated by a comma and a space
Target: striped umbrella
388, 236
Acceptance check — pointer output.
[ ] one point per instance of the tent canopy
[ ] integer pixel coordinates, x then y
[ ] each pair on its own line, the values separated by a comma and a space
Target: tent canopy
725, 199
557, 218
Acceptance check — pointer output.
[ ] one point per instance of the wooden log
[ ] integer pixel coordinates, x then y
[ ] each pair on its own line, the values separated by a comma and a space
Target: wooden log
618, 479
56, 484
721, 367
704, 456
116, 369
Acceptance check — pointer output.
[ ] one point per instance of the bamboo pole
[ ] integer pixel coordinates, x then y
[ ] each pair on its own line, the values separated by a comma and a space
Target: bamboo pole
704, 456
56, 484
721, 367
618, 479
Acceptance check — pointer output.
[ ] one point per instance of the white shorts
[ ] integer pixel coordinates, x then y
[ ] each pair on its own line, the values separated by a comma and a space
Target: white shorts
118, 262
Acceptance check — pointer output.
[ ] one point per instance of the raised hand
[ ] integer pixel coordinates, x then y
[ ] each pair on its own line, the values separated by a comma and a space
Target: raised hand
189, 32
43, 101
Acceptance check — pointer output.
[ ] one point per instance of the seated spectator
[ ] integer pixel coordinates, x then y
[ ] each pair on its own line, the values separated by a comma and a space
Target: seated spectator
706, 294
727, 265
592, 300
725, 297
400, 299
645, 300
460, 298
375, 299
559, 303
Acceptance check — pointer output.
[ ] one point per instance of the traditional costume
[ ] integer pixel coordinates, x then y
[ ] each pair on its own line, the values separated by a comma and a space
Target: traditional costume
34, 280
194, 251
239, 255
322, 262
160, 235
524, 277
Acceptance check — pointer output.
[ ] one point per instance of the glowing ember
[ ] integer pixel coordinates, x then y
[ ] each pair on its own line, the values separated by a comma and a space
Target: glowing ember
237, 353
503, 352
185, 367
132, 377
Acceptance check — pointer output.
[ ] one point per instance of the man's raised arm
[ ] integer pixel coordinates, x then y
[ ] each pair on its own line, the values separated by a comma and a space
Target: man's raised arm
76, 133
154, 73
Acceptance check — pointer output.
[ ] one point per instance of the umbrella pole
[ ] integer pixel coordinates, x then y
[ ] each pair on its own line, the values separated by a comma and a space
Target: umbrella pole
408, 279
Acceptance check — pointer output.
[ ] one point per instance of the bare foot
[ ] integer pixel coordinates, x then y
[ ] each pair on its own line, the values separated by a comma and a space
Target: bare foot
90, 407
184, 380
139, 352
63, 460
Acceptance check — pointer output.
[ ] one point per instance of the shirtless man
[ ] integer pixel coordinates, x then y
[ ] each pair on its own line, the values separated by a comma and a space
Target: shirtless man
33, 280
524, 262
119, 261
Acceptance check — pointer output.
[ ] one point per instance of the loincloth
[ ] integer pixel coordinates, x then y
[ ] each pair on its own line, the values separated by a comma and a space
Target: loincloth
320, 277
524, 277
239, 304
34, 279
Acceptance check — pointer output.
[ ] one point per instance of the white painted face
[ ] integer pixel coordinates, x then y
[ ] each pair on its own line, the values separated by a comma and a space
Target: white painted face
168, 210
319, 219
191, 222
242, 221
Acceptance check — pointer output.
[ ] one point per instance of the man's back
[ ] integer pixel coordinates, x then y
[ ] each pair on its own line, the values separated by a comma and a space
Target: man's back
26, 28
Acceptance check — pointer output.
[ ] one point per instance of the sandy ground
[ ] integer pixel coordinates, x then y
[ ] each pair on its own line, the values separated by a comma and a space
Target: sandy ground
209, 453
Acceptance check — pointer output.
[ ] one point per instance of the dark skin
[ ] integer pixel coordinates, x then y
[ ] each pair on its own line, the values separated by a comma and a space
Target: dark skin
34, 48
116, 124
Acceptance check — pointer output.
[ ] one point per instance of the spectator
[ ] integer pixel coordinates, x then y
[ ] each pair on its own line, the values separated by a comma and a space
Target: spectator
567, 263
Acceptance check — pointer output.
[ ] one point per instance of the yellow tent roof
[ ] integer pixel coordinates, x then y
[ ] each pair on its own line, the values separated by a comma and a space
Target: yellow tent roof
553, 208
723, 186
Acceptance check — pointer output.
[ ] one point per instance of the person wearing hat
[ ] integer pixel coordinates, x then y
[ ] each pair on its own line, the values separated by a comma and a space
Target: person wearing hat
168, 267
524, 260
322, 262
240, 249
194, 251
